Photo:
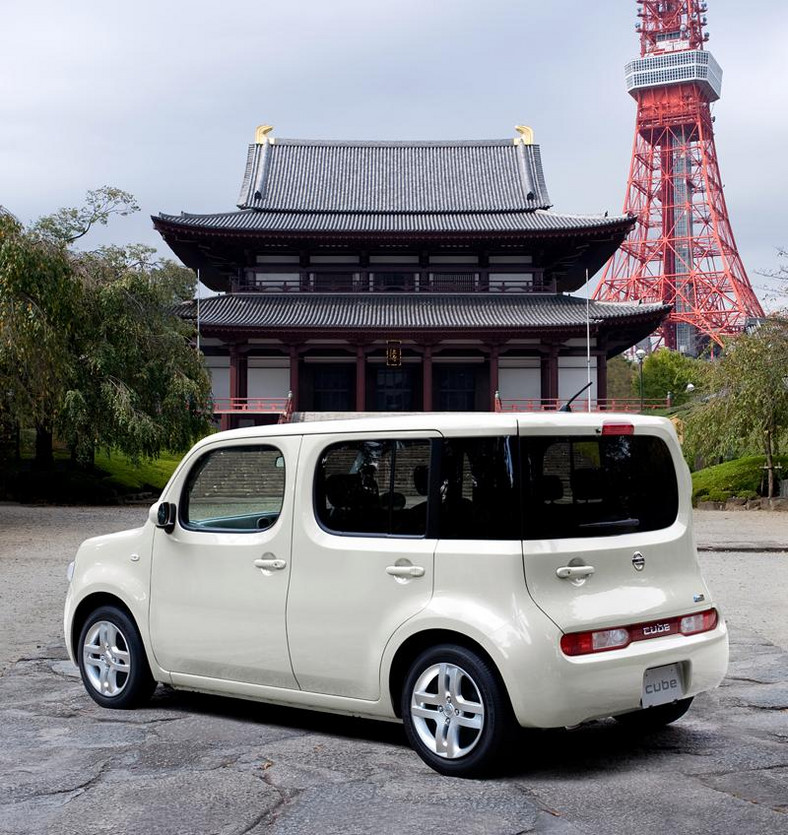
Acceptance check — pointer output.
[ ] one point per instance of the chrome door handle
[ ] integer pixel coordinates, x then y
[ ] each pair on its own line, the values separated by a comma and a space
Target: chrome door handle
405, 570
270, 565
574, 572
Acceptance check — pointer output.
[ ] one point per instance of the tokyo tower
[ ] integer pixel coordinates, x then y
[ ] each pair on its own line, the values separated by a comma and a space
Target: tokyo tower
681, 250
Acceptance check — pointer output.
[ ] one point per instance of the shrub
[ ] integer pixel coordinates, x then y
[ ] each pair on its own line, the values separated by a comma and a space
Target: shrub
742, 477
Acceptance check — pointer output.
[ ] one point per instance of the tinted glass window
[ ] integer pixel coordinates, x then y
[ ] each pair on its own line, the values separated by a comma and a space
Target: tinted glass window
235, 488
478, 489
374, 487
577, 487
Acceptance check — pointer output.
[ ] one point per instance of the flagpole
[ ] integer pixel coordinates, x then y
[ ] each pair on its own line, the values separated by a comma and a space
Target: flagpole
198, 310
588, 339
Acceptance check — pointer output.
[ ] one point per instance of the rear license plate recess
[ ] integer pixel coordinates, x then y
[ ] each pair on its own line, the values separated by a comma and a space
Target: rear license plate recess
662, 685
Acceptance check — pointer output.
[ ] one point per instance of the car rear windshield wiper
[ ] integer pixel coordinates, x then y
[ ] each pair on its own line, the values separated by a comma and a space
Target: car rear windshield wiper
613, 523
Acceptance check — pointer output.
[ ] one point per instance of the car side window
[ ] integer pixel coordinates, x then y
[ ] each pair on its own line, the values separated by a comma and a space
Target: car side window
479, 490
579, 487
376, 487
238, 488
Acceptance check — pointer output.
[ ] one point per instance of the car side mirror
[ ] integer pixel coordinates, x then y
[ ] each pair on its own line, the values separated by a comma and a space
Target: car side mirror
165, 517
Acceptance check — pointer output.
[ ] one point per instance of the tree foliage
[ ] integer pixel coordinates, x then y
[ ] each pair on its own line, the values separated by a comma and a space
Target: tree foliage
89, 344
744, 405
68, 225
669, 371
620, 377
39, 308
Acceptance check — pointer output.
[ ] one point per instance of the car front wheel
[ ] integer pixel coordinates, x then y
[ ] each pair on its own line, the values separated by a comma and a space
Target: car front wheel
112, 660
455, 710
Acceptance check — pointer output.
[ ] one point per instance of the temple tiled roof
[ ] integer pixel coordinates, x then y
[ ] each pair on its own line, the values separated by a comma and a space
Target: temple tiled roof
295, 175
255, 220
426, 311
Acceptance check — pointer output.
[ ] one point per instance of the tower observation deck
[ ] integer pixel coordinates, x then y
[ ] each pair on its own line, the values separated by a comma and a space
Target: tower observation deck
681, 250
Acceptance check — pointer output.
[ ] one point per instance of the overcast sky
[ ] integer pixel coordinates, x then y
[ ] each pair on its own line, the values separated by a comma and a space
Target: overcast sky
161, 97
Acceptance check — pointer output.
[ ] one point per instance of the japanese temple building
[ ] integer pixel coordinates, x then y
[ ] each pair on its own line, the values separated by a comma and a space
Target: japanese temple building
400, 276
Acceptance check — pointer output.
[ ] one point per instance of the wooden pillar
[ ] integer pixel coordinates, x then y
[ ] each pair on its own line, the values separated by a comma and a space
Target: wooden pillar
361, 379
294, 382
601, 381
238, 375
549, 369
427, 379
238, 383
494, 356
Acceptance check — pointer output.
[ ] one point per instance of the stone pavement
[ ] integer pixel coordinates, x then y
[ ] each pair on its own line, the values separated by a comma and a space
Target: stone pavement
741, 531
200, 765
195, 765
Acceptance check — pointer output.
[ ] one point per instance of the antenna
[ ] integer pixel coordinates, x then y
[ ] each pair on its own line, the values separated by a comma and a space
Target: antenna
567, 407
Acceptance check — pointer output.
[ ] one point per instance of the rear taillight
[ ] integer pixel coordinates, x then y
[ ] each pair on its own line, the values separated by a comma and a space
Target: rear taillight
618, 429
604, 640
702, 622
583, 643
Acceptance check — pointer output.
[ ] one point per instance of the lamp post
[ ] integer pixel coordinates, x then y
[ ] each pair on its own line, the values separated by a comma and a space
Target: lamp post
641, 355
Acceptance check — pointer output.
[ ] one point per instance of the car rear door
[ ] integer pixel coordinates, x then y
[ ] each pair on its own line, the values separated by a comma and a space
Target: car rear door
607, 525
362, 563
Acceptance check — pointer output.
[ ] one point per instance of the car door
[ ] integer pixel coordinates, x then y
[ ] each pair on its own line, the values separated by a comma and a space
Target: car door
606, 526
219, 578
362, 563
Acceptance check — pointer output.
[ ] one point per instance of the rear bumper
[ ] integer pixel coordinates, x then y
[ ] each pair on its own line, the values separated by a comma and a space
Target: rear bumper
589, 687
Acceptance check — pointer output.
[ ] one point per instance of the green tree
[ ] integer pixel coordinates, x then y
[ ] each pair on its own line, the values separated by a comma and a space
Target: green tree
744, 405
669, 371
89, 344
139, 386
68, 225
621, 377
39, 307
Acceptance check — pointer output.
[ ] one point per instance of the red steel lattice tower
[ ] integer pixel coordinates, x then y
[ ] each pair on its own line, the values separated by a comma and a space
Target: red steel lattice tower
681, 250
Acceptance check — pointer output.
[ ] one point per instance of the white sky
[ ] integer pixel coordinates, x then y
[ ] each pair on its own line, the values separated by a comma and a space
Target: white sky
161, 97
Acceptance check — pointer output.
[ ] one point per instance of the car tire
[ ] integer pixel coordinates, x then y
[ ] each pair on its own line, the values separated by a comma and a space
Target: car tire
112, 660
653, 718
456, 711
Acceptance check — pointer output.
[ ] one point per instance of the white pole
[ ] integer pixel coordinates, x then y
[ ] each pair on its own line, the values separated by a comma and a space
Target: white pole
588, 340
198, 310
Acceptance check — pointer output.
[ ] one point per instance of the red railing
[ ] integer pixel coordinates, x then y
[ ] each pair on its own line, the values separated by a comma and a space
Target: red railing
251, 405
256, 406
287, 414
629, 404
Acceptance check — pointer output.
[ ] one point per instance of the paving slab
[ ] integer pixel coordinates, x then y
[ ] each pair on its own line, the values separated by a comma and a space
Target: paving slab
198, 764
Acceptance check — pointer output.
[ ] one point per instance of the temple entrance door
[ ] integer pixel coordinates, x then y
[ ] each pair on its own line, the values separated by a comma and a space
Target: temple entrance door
455, 387
333, 388
394, 389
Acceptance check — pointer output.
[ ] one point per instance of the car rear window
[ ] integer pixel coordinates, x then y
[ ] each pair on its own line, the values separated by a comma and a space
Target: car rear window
597, 486
376, 487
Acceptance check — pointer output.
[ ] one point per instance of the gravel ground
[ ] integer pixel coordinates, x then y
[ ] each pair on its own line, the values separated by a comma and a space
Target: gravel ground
36, 546
199, 765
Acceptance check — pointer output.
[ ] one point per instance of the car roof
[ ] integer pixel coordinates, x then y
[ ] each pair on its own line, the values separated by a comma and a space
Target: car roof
453, 423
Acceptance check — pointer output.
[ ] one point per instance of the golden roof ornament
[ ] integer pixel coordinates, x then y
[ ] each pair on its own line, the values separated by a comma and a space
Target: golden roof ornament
261, 134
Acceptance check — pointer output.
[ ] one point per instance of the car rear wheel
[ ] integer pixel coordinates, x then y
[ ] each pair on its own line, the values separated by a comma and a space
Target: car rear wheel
112, 660
456, 711
653, 718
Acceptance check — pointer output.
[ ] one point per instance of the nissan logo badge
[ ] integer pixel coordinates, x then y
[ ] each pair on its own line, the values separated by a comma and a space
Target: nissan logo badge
638, 561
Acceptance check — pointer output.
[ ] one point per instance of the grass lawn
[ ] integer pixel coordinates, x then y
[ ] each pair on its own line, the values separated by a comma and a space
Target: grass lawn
113, 477
137, 478
743, 477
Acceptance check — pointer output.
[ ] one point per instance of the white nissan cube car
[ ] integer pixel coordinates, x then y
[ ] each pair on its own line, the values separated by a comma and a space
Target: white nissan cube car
463, 573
